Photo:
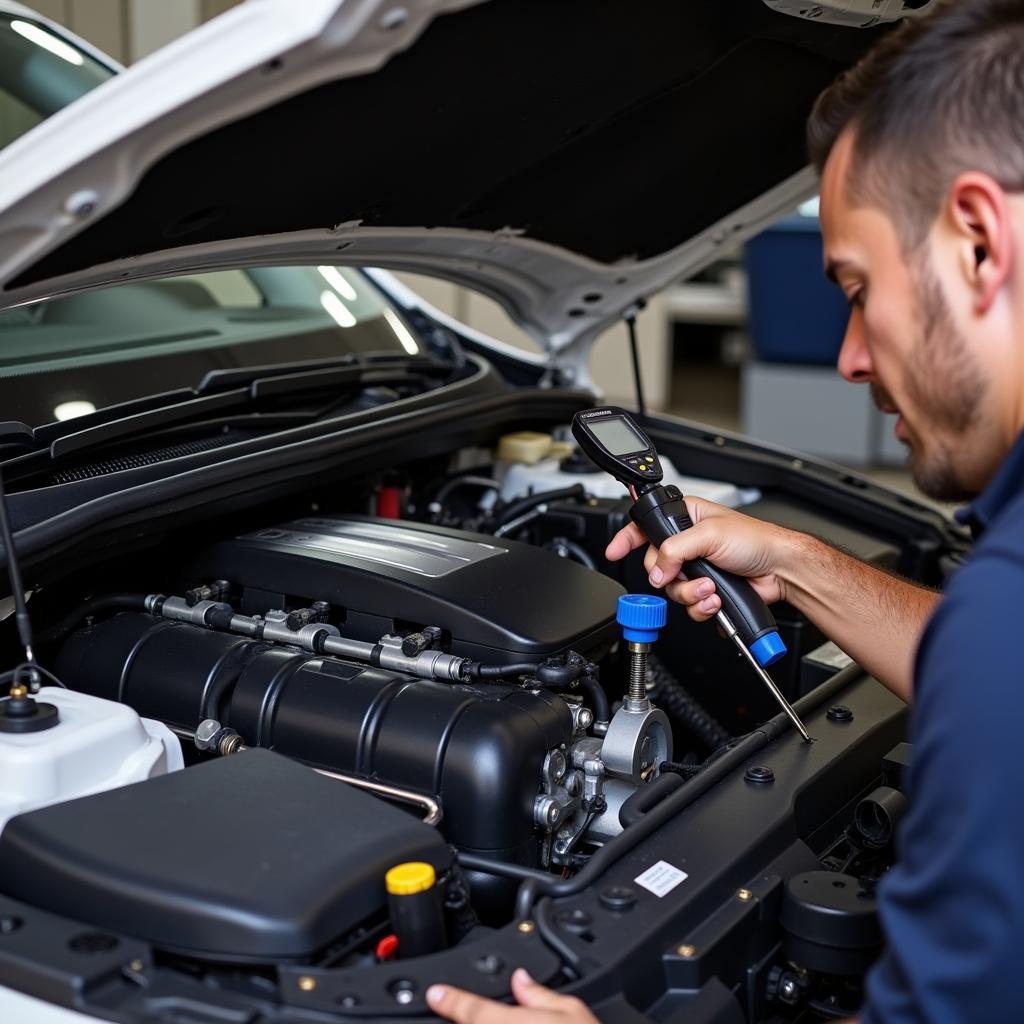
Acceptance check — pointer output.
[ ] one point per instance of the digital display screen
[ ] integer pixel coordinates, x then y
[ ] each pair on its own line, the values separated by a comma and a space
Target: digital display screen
617, 436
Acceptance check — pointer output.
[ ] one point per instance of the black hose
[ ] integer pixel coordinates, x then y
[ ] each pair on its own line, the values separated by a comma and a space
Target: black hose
94, 606
680, 704
576, 550
646, 797
596, 698
516, 508
615, 849
464, 481
486, 866
478, 671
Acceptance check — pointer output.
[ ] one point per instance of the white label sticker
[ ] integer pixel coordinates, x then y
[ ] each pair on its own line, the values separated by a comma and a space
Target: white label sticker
661, 878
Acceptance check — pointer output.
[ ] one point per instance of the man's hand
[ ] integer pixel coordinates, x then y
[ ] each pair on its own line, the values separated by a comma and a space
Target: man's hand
537, 1005
729, 539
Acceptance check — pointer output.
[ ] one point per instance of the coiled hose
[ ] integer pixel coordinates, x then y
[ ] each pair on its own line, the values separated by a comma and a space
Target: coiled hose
679, 704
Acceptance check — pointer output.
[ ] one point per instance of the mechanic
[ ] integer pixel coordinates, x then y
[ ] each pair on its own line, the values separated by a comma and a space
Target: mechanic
921, 149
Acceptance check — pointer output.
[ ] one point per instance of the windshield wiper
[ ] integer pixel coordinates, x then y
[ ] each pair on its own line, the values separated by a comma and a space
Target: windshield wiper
219, 390
318, 371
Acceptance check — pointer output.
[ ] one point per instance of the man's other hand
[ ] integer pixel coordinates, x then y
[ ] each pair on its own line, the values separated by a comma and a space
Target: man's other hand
537, 1005
729, 539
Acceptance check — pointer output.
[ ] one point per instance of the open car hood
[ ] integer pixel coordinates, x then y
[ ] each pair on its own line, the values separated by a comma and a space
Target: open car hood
565, 157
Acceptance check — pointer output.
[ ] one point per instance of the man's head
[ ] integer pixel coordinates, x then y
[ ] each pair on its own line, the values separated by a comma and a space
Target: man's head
921, 150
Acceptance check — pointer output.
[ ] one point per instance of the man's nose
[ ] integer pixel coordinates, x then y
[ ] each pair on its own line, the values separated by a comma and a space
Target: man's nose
854, 359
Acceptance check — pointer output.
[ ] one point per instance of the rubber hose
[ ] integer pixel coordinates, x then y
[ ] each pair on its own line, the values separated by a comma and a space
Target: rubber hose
646, 797
465, 481
596, 698
524, 668
517, 508
679, 704
94, 606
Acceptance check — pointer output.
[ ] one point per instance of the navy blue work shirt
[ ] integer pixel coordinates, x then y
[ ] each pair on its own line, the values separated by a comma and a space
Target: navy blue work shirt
953, 906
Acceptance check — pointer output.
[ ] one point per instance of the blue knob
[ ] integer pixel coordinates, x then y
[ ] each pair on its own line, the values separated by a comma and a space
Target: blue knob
641, 616
768, 649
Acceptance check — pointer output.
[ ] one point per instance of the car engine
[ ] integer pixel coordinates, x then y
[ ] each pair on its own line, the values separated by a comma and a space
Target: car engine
440, 663
315, 762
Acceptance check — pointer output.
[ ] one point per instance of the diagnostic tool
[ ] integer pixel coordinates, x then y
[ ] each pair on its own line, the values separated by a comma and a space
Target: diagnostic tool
611, 438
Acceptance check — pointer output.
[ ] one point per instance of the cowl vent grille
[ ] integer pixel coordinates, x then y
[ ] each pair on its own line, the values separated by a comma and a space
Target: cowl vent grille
138, 459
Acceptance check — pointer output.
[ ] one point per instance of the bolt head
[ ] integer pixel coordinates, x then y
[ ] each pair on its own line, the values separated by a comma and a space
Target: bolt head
585, 719
136, 966
686, 950
839, 713
306, 983
745, 895
206, 733
525, 927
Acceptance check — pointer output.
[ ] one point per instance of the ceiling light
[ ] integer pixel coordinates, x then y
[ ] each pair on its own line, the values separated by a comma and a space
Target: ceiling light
69, 410
809, 208
39, 36
333, 277
407, 340
337, 309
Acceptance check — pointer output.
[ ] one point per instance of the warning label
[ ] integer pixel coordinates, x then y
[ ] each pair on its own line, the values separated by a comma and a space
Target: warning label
661, 878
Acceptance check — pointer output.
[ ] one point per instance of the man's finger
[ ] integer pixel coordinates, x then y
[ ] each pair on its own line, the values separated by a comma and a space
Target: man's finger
466, 1008
691, 592
534, 996
629, 538
701, 610
700, 540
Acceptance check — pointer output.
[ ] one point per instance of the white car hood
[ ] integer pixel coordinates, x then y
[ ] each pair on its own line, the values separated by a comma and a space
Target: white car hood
564, 158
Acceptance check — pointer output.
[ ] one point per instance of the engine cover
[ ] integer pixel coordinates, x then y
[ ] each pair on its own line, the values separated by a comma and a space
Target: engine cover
496, 600
246, 857
478, 749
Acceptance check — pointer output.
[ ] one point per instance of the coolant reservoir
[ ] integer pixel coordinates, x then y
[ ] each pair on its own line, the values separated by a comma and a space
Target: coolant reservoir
96, 745
519, 479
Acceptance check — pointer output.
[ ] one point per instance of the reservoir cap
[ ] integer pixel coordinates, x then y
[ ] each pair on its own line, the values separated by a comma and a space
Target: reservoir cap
410, 878
641, 616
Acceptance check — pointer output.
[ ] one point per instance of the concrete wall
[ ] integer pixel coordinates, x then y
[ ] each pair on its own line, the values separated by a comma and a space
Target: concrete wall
130, 29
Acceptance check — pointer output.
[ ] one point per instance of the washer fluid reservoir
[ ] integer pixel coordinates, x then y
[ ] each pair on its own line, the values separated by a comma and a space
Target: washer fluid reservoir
96, 745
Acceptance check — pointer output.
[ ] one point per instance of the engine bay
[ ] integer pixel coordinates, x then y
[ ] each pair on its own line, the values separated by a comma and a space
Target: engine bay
429, 671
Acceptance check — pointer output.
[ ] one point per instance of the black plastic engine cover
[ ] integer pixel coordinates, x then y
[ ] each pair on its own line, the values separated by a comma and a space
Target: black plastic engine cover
499, 600
479, 749
250, 857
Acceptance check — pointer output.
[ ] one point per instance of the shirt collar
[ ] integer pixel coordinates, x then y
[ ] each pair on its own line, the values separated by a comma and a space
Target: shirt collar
1002, 489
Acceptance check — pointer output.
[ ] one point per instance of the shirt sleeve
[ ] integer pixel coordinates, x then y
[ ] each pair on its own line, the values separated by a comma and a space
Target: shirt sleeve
953, 906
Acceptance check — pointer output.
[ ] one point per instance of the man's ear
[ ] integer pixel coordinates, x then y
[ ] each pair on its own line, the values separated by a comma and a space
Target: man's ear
980, 218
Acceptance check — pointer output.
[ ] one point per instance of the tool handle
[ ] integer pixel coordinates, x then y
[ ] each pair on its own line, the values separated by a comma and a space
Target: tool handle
661, 513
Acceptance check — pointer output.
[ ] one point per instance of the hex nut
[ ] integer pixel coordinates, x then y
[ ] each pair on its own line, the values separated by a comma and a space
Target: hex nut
206, 734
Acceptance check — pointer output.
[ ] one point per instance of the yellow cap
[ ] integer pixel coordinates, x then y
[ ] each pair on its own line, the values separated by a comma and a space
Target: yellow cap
410, 878
524, 446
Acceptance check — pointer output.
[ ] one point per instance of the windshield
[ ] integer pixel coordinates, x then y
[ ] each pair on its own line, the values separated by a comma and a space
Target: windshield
40, 72
66, 357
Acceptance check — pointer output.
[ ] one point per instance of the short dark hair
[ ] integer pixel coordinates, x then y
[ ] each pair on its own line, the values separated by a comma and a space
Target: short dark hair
938, 96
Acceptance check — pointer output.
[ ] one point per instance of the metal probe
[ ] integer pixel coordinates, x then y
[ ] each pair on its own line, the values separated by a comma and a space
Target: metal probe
733, 634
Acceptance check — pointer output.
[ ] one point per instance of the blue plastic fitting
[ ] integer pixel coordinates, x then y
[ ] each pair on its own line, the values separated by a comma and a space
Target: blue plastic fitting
768, 649
641, 616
